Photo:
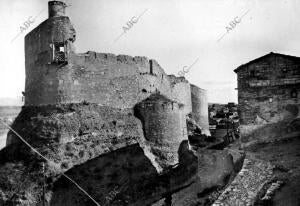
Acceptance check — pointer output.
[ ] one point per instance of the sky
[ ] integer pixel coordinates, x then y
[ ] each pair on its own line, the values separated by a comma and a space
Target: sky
176, 33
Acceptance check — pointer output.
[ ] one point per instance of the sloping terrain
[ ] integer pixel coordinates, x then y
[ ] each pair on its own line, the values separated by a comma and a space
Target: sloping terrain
284, 155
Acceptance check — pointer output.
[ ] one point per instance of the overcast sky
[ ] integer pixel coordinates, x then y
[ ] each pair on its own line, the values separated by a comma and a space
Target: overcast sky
174, 32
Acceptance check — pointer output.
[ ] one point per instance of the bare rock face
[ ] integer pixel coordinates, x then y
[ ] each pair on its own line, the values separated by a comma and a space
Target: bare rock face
71, 134
121, 177
214, 168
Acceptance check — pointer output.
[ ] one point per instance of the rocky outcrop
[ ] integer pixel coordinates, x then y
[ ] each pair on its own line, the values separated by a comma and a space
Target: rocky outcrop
67, 135
74, 133
214, 168
102, 149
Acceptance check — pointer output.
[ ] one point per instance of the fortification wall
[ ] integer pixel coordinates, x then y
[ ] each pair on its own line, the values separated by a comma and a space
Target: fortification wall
200, 108
41, 76
102, 78
99, 79
121, 80
163, 125
181, 92
105, 79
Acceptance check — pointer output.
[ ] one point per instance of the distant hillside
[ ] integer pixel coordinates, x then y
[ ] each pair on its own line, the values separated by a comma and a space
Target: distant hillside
11, 101
7, 114
9, 111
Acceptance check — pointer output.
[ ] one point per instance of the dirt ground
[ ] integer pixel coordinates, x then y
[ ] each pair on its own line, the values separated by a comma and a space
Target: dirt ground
285, 156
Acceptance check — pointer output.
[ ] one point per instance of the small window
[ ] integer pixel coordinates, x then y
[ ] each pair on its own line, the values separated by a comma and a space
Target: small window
59, 53
294, 93
270, 100
252, 73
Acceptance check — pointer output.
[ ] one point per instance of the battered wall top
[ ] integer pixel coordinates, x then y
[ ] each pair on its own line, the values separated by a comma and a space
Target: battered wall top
174, 80
156, 99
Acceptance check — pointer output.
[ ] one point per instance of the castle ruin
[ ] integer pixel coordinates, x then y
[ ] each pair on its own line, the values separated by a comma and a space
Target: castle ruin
109, 121
56, 74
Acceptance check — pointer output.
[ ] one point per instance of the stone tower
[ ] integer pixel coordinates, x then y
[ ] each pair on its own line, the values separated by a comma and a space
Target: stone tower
48, 48
56, 8
164, 126
200, 108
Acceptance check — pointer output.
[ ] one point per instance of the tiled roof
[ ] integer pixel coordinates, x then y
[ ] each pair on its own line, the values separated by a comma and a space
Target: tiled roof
262, 57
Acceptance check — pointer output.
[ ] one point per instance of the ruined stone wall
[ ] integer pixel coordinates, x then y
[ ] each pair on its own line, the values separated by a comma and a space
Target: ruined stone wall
99, 78
105, 79
121, 80
266, 90
163, 125
200, 108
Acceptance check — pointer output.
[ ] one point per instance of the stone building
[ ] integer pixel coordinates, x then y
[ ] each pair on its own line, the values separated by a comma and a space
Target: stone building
268, 86
269, 89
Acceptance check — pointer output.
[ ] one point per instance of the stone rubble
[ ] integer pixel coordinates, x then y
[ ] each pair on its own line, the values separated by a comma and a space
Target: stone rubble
272, 189
245, 188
